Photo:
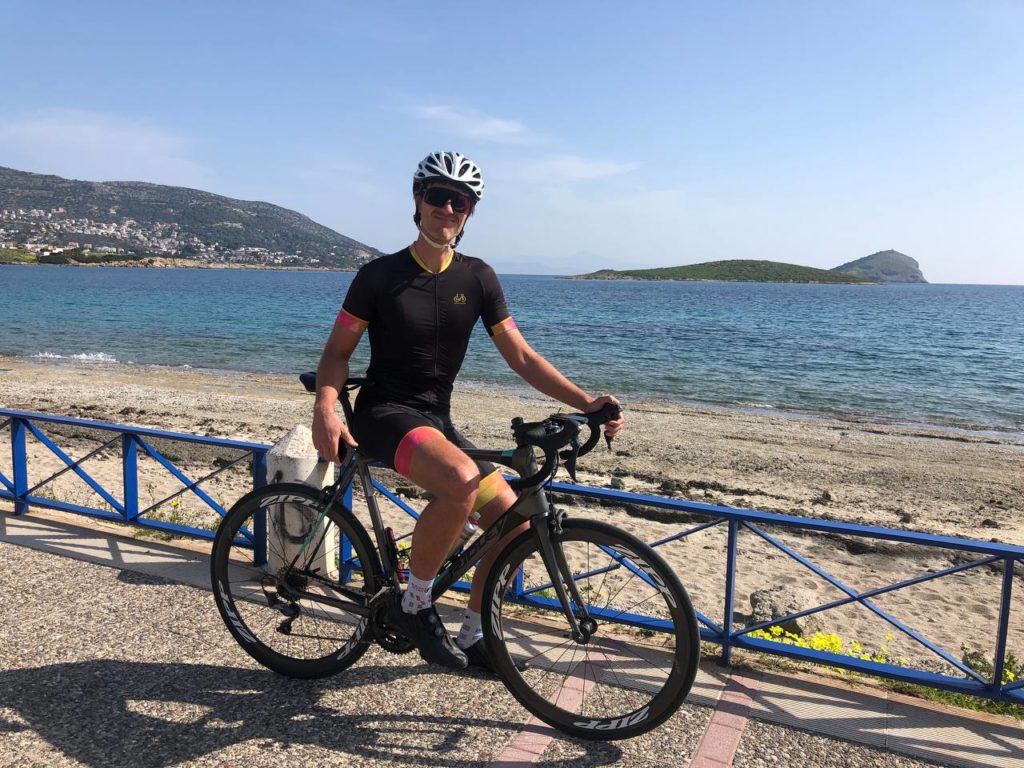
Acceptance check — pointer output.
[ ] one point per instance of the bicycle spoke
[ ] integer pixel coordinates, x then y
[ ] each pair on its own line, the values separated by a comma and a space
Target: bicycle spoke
289, 613
612, 681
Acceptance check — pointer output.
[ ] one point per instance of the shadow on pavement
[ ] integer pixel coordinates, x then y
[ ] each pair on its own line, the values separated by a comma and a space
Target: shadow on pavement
104, 713
901, 725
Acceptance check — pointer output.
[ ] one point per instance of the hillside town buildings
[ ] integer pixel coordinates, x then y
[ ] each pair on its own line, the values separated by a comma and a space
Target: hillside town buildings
53, 231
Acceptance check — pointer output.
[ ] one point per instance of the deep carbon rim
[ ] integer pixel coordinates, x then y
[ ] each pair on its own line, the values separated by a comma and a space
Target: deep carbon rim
294, 634
625, 679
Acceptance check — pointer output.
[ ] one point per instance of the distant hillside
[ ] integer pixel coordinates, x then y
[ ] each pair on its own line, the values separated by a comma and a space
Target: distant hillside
737, 270
885, 267
141, 218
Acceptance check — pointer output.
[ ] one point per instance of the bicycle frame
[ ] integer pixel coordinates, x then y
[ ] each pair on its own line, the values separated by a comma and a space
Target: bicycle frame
349, 584
532, 506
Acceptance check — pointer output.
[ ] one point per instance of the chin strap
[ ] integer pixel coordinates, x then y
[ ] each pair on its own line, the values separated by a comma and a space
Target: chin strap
433, 243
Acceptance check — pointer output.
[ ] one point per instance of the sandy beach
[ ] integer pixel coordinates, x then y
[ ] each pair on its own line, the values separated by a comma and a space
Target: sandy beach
898, 476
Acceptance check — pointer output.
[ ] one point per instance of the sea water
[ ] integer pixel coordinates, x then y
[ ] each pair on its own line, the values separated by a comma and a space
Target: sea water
945, 354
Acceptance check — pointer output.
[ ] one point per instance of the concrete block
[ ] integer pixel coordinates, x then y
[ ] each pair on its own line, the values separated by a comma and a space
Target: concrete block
293, 459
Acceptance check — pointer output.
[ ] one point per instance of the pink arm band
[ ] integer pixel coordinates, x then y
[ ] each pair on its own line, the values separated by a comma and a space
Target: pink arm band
506, 325
350, 322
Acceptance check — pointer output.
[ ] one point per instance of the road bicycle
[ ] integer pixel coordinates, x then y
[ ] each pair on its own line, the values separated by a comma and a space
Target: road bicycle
587, 626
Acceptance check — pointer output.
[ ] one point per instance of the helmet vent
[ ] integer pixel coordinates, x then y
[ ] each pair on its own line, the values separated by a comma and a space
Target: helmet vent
450, 166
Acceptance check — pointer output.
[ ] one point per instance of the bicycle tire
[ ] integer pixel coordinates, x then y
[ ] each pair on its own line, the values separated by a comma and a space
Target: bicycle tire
291, 634
626, 679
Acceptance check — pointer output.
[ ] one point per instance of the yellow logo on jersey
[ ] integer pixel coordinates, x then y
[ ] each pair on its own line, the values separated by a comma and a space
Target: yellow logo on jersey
459, 298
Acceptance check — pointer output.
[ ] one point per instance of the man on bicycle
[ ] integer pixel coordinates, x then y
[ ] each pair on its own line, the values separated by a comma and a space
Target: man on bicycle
420, 305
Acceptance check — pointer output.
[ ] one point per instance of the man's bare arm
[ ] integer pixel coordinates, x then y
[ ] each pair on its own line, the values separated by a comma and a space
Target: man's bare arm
329, 429
544, 377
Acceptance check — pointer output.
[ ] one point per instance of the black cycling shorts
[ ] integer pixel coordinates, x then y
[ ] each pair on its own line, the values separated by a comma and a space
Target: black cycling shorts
387, 432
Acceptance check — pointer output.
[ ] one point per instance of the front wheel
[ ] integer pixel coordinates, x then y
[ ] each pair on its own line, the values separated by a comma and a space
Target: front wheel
292, 577
637, 657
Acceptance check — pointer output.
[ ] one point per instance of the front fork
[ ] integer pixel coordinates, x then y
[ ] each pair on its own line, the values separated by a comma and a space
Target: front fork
548, 530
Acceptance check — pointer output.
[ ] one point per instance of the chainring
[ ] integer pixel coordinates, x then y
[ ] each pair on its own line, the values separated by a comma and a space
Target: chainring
388, 636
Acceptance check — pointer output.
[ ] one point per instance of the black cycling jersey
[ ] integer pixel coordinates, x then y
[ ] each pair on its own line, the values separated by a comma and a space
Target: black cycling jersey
419, 324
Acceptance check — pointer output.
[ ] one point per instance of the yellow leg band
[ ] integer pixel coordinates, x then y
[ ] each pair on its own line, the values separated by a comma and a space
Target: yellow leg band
489, 489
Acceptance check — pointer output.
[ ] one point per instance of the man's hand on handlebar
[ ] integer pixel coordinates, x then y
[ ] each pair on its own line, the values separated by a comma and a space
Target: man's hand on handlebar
564, 429
329, 433
611, 428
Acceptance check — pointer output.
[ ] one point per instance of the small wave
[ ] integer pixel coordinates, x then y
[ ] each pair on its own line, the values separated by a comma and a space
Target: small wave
85, 357
95, 357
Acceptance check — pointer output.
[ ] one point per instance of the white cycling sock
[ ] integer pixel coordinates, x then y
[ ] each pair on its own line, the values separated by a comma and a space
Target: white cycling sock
472, 630
417, 595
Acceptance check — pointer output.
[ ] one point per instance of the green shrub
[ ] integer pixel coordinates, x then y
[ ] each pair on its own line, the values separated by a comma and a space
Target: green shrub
829, 642
54, 258
1013, 668
16, 256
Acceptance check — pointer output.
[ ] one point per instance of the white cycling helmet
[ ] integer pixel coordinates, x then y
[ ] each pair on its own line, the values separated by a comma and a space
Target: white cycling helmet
449, 166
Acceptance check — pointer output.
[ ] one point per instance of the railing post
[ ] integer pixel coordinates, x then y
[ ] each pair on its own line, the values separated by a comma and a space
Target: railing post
19, 457
1004, 626
130, 475
259, 479
259, 469
730, 592
347, 497
346, 545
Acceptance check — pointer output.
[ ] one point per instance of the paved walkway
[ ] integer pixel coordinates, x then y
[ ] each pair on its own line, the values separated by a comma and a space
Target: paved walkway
112, 654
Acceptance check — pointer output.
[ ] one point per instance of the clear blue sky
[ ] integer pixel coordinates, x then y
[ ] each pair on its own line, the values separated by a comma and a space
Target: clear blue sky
610, 134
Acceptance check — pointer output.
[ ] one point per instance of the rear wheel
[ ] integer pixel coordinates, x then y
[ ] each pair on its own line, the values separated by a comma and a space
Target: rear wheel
293, 581
638, 655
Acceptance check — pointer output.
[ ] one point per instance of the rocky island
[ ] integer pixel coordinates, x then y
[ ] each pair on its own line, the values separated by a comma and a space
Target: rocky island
882, 267
885, 267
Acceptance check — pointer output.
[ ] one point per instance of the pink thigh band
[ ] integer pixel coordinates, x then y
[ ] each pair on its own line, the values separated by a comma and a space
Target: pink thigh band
412, 440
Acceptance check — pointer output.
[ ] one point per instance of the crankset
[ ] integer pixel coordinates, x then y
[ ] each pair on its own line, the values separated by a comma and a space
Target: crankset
387, 635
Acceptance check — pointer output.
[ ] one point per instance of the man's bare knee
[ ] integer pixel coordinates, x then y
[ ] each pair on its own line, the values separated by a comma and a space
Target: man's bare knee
459, 483
446, 472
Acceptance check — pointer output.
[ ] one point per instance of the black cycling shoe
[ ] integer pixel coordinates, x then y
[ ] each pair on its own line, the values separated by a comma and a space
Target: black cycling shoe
478, 657
426, 631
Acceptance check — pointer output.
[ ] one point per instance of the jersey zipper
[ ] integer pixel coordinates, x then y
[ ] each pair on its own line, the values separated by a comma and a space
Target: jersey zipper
437, 326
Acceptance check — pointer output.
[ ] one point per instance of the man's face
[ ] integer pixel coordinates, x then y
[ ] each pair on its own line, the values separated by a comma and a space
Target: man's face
438, 215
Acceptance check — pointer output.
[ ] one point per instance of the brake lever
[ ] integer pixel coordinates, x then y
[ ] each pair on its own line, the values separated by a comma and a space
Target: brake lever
570, 456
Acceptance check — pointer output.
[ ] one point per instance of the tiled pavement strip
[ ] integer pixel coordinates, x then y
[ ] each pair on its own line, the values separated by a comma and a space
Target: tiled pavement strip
130, 665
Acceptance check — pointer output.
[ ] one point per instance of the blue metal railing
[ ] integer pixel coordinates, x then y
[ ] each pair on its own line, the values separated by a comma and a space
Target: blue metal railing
739, 525
1006, 557
22, 424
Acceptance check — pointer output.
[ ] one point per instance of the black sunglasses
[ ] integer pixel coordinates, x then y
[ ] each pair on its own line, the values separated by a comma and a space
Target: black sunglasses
439, 197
